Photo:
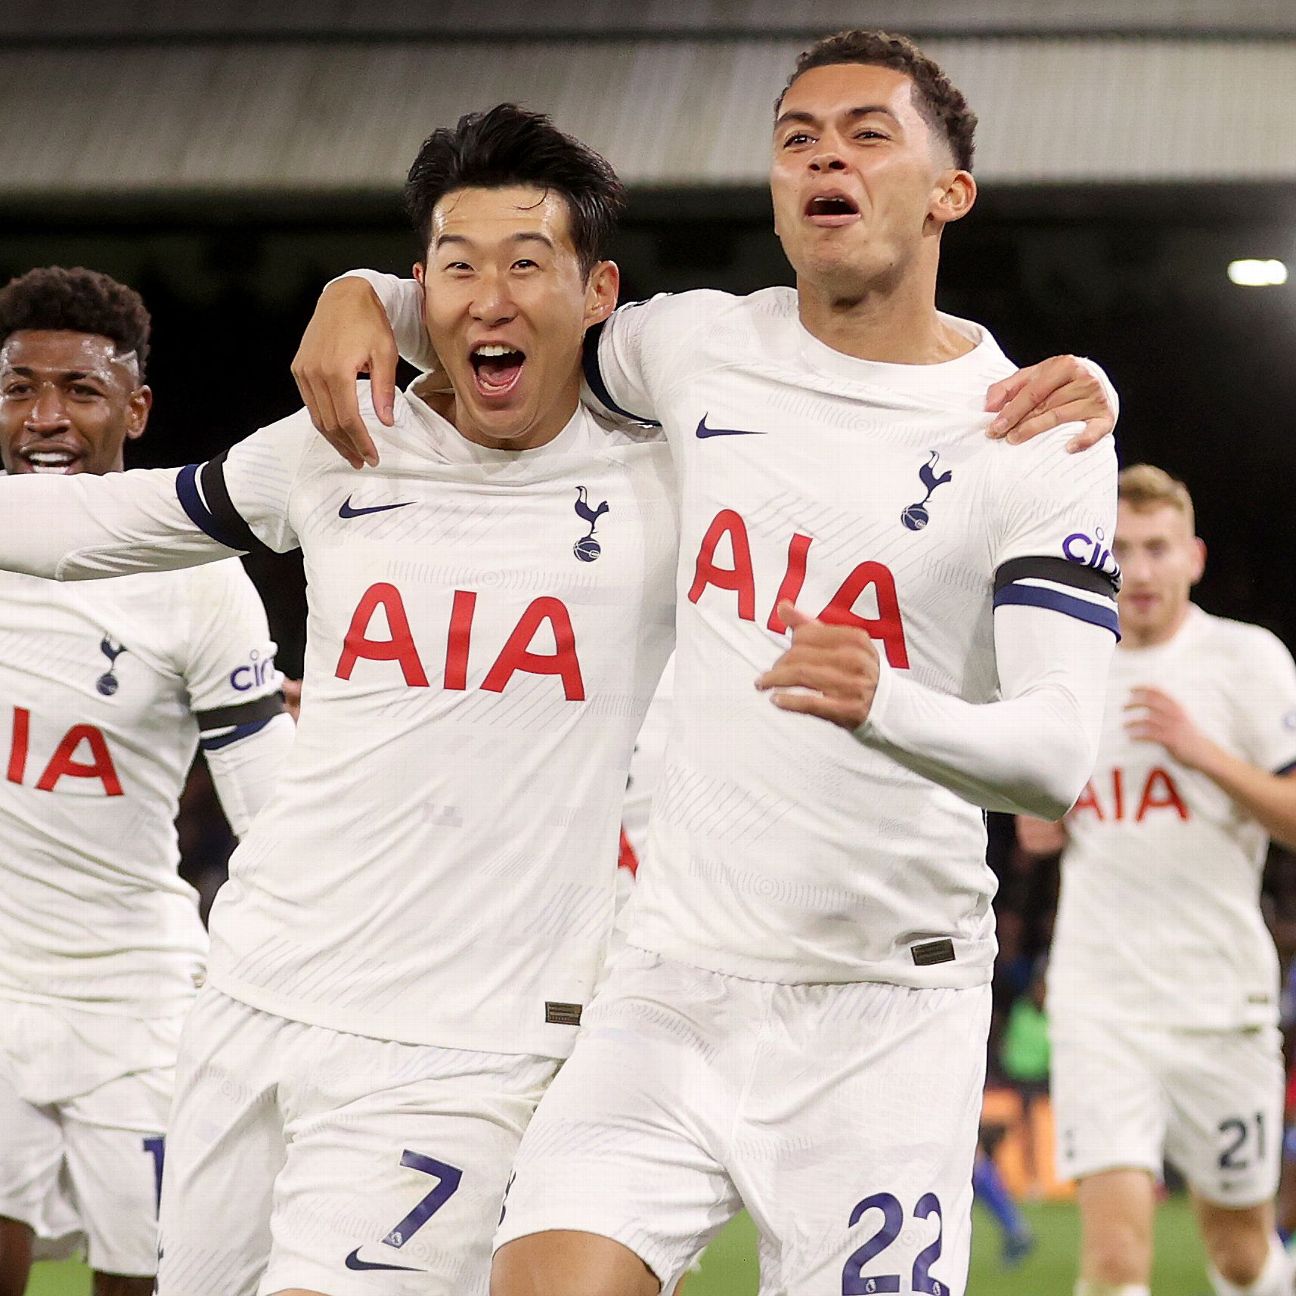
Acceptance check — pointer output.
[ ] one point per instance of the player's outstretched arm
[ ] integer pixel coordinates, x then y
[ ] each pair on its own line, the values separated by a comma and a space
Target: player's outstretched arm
85, 527
1027, 754
1062, 389
1270, 799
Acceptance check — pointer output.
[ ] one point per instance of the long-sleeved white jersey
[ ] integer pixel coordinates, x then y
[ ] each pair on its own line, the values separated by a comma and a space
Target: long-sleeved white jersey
105, 692
485, 631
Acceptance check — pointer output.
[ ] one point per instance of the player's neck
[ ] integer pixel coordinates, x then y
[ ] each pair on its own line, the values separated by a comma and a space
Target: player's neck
1136, 637
893, 324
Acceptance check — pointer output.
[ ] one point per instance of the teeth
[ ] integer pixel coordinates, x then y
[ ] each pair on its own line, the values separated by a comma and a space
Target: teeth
49, 457
51, 467
494, 349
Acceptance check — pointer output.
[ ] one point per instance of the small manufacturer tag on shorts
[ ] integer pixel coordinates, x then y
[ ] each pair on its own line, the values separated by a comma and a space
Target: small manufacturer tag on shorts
564, 1014
937, 951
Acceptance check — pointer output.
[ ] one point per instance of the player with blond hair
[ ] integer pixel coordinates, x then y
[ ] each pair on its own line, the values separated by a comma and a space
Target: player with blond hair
1163, 980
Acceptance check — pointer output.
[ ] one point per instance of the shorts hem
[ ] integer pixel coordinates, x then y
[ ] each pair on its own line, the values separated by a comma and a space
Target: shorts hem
1103, 1165
1241, 1202
20, 1214
661, 1264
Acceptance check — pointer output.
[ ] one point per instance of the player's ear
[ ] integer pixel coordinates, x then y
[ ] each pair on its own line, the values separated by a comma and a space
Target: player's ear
952, 197
1199, 558
419, 271
602, 286
138, 405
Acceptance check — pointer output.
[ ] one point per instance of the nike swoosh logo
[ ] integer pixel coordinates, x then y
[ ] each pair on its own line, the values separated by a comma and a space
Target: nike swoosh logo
346, 511
703, 431
353, 1261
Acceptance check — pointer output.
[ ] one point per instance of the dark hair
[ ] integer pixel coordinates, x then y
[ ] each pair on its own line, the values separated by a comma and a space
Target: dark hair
510, 146
81, 301
935, 97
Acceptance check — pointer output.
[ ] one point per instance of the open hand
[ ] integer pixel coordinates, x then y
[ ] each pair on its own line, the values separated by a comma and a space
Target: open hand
1062, 389
1153, 716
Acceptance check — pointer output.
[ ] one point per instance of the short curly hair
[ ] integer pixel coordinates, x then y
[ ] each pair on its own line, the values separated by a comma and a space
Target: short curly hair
941, 104
80, 301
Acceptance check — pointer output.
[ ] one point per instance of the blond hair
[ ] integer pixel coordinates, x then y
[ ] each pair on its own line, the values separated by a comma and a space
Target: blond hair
1143, 486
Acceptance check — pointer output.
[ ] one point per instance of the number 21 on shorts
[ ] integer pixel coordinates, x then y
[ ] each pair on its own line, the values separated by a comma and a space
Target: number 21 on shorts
854, 1280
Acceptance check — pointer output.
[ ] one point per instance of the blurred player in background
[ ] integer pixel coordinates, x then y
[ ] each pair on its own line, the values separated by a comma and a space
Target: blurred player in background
107, 691
1163, 980
799, 1024
410, 932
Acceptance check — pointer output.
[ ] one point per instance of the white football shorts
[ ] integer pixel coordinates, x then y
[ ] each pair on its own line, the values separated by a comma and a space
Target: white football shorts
305, 1157
84, 1098
843, 1117
1209, 1102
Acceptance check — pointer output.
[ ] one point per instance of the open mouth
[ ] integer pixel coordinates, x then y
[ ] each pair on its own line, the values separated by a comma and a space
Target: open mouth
58, 460
831, 209
496, 368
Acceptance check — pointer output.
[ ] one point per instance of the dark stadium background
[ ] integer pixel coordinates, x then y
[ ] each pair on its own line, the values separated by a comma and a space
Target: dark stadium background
1131, 271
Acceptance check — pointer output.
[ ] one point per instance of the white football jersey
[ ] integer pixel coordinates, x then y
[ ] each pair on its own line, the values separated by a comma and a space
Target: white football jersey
106, 691
782, 848
485, 630
1159, 918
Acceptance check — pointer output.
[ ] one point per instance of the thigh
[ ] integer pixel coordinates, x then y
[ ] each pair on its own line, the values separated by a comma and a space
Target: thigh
1225, 1092
1109, 1104
31, 1156
397, 1162
626, 1144
854, 1149
114, 1141
225, 1145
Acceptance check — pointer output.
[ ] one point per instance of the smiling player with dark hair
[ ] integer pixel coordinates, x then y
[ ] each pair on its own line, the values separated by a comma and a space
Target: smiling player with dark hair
412, 927
107, 692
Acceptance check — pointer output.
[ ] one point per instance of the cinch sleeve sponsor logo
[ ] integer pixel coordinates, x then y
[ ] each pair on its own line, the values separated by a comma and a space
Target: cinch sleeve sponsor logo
254, 674
1090, 551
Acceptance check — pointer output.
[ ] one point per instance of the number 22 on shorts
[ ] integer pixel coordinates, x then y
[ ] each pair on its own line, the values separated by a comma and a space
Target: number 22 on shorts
854, 1282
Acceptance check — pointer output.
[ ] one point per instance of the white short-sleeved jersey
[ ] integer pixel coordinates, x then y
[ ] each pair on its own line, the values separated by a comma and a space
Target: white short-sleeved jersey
106, 691
485, 629
783, 849
1159, 918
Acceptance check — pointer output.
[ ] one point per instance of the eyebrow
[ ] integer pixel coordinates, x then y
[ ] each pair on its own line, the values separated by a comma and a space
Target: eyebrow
68, 375
853, 114
526, 236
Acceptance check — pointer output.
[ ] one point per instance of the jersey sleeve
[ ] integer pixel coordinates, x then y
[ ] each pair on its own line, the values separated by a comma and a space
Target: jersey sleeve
234, 689
1052, 528
402, 300
1267, 702
1030, 752
84, 527
635, 356
243, 497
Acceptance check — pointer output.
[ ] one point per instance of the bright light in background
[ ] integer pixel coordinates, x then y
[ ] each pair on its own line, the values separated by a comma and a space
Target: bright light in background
1257, 274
